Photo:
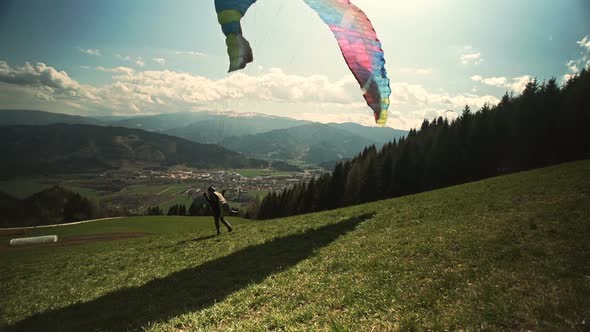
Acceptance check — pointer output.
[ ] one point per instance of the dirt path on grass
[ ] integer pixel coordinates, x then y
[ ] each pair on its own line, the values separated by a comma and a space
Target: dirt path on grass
163, 191
56, 225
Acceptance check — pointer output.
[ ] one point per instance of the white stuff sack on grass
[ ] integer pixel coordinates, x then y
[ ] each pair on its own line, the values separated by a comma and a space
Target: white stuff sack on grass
33, 240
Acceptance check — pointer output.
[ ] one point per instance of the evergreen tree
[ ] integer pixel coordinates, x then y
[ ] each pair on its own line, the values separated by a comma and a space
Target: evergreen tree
182, 210
173, 210
154, 211
77, 208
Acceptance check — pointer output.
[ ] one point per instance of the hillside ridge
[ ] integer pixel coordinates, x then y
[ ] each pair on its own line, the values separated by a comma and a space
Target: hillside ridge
504, 253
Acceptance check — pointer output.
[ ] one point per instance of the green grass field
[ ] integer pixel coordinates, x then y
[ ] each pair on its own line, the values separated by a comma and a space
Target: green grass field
24, 187
138, 197
180, 199
160, 189
508, 253
164, 195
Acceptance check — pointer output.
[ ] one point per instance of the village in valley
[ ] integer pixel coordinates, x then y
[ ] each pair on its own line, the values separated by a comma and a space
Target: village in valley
134, 190
237, 185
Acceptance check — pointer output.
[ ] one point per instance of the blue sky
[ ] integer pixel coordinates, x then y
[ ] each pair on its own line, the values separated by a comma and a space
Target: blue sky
146, 56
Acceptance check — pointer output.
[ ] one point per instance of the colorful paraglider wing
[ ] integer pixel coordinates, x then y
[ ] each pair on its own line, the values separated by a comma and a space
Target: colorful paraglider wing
361, 49
229, 14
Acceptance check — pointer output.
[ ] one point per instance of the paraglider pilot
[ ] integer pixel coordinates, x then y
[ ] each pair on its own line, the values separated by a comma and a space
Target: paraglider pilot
219, 207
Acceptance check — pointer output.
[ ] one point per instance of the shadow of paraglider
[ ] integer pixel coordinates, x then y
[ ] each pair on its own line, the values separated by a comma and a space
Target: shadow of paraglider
191, 289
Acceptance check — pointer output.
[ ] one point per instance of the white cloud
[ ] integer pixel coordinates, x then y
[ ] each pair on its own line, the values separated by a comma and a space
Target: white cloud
90, 51
45, 79
412, 103
274, 85
493, 81
116, 70
190, 53
146, 90
470, 56
585, 43
138, 61
273, 91
160, 61
404, 95
519, 83
574, 66
516, 84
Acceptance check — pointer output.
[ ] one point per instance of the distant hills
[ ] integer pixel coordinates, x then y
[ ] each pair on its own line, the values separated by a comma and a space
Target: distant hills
254, 135
63, 148
263, 136
377, 134
314, 142
218, 128
39, 118
206, 125
159, 122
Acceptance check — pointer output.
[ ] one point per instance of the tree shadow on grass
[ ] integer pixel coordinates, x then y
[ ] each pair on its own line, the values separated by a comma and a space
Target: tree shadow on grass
191, 289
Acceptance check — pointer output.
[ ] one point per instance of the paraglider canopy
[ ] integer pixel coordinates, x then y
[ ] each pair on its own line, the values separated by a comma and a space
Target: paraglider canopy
354, 33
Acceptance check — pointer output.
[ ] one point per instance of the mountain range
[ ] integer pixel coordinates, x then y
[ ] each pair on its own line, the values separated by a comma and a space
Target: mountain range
67, 148
314, 143
253, 135
40, 118
271, 137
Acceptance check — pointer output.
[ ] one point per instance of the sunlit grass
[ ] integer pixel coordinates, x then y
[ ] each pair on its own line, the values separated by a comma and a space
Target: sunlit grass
508, 253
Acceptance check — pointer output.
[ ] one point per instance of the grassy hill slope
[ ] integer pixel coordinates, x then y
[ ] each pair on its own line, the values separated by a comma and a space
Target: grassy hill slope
507, 253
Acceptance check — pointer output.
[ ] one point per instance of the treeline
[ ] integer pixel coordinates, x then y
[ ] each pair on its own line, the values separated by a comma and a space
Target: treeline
54, 205
199, 207
546, 124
